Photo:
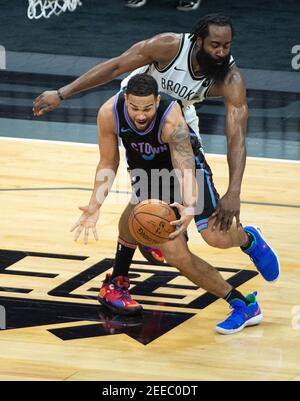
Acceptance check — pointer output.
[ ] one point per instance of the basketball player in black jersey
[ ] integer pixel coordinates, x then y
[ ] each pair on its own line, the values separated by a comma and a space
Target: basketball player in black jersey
209, 62
155, 136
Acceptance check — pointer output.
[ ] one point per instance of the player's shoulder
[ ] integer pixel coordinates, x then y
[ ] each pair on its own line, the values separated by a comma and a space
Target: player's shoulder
234, 77
164, 45
106, 110
168, 103
166, 39
174, 114
234, 87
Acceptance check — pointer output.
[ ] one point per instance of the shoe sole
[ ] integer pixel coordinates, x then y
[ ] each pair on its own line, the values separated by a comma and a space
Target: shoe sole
254, 321
279, 267
118, 311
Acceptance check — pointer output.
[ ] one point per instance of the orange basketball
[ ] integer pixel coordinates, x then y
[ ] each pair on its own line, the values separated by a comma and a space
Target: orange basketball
149, 222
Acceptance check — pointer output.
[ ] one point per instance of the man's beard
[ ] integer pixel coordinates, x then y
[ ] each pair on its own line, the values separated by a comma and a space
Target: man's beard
209, 66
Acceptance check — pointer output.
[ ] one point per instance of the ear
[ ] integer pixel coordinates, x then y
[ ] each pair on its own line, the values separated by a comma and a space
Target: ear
199, 42
126, 98
158, 100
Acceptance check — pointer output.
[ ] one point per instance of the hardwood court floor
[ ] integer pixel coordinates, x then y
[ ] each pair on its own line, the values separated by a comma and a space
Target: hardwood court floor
57, 331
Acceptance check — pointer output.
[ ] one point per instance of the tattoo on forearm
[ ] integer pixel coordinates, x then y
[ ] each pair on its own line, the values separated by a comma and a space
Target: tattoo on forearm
181, 148
183, 160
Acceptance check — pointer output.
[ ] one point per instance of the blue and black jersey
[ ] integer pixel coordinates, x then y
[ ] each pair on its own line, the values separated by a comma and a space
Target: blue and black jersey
144, 149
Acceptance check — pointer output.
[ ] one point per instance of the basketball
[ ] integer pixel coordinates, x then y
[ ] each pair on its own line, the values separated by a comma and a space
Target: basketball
149, 222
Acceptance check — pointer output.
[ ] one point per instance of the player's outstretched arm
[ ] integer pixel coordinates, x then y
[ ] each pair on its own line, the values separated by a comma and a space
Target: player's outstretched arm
234, 93
160, 48
105, 173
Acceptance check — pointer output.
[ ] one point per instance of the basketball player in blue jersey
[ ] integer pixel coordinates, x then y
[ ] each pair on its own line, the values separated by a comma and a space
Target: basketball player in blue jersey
190, 68
143, 121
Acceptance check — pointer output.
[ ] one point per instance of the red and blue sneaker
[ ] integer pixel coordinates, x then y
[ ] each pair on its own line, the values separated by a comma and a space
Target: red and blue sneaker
242, 316
262, 255
153, 255
115, 296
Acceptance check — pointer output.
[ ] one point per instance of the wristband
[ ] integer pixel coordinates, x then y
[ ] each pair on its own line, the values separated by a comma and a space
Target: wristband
60, 95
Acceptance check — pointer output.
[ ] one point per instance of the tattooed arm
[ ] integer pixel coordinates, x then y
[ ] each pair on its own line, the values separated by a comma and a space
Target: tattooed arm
176, 134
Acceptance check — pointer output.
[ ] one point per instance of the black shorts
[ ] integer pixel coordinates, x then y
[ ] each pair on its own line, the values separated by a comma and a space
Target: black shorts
210, 195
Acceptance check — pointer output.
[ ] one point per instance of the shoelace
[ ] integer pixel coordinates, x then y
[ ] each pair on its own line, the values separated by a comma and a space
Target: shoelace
123, 291
234, 311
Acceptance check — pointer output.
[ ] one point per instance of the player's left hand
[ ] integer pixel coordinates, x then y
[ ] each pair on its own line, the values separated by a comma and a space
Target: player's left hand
185, 218
227, 209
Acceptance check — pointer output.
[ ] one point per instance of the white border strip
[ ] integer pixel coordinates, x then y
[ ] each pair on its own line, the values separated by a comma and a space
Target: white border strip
260, 158
88, 145
91, 145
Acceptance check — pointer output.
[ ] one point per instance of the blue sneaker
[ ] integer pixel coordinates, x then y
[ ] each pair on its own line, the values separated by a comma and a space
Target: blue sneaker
241, 316
263, 256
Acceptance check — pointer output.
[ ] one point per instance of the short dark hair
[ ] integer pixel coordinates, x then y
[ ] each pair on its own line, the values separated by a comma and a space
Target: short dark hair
201, 27
142, 85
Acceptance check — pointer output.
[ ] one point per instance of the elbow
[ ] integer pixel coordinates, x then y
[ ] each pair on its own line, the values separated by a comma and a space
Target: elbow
238, 139
116, 72
115, 68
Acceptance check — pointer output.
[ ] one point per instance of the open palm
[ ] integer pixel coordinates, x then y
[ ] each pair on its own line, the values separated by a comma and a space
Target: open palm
86, 221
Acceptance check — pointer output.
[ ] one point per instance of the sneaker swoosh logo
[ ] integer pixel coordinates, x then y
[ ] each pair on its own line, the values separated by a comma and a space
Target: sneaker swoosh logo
124, 130
178, 69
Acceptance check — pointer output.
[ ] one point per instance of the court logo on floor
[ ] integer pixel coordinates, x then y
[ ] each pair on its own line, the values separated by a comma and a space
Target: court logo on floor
42, 289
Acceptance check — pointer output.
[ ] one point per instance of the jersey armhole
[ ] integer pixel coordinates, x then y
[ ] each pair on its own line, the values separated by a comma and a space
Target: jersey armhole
161, 70
205, 94
163, 120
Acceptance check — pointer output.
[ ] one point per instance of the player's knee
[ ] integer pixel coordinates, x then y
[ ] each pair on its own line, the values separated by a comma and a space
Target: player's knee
176, 260
217, 239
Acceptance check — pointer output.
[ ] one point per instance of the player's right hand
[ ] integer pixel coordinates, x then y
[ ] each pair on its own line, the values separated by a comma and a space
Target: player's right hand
182, 224
86, 221
47, 101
